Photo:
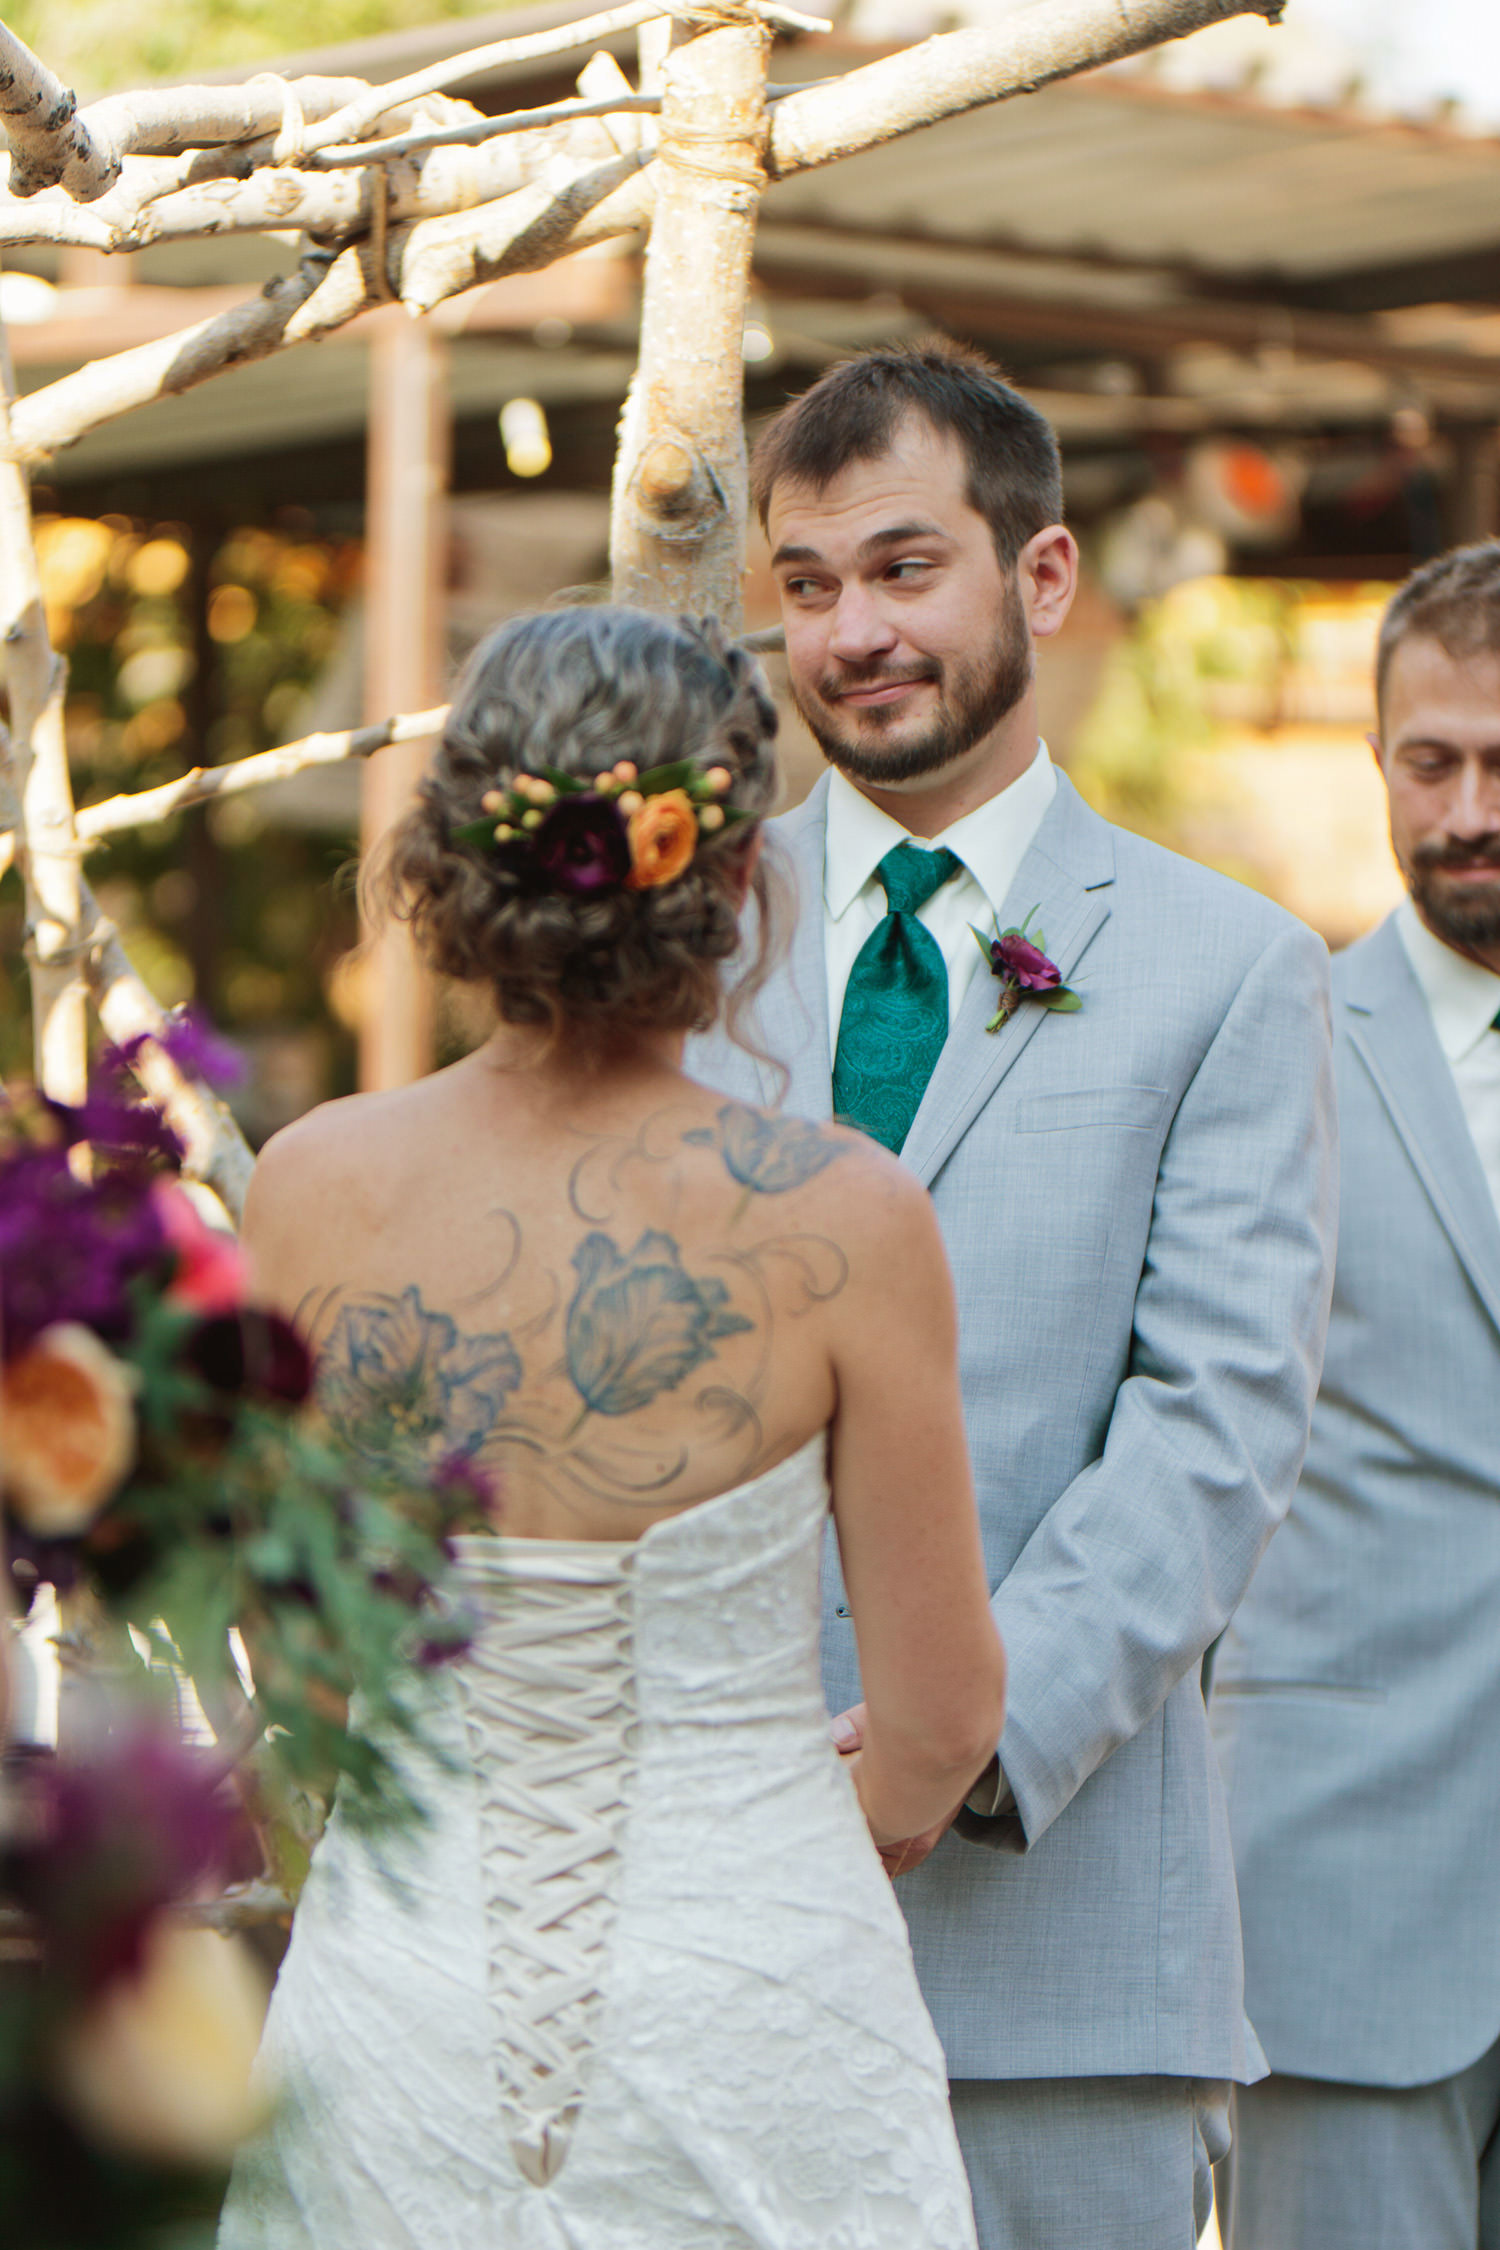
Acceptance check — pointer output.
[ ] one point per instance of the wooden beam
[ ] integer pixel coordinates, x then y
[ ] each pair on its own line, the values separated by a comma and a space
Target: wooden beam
405, 554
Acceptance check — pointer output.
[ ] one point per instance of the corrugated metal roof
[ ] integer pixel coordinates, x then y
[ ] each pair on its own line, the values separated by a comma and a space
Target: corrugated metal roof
1113, 166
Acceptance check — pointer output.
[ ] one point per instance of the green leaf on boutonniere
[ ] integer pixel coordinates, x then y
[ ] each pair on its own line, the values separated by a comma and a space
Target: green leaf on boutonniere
982, 942
1064, 1003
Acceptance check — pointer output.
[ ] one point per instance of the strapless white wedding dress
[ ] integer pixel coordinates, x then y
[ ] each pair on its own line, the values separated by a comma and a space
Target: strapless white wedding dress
645, 1985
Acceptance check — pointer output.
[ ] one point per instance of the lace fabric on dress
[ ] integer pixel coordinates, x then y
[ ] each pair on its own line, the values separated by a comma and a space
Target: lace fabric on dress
549, 1711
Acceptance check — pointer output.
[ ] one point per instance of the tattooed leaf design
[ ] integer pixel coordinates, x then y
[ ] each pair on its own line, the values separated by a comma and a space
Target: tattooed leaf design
767, 1154
639, 1324
400, 1382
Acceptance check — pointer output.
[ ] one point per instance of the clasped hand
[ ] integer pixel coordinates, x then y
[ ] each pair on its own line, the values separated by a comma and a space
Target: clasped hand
902, 1855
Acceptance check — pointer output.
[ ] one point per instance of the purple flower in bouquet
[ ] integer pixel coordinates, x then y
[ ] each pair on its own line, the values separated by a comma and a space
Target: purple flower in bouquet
251, 1354
101, 1842
193, 1044
71, 1249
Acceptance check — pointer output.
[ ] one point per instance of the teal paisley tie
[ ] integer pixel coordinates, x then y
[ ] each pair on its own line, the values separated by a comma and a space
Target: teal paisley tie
895, 1015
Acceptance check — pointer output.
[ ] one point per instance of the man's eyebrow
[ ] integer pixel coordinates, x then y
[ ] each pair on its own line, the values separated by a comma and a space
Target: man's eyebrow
896, 536
1441, 742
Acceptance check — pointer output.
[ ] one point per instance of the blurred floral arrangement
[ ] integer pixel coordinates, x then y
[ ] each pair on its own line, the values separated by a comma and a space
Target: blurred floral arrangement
164, 1468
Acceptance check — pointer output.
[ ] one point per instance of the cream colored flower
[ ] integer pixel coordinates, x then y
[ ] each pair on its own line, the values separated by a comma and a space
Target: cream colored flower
67, 1430
160, 2064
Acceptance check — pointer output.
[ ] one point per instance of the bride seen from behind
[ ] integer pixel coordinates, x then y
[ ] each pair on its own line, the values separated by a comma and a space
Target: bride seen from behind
647, 1984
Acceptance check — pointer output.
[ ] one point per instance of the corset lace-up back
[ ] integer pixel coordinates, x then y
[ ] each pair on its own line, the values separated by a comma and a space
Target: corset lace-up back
641, 1984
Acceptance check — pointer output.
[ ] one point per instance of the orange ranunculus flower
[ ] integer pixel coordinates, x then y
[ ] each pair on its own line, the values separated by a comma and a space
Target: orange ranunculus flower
67, 1430
663, 838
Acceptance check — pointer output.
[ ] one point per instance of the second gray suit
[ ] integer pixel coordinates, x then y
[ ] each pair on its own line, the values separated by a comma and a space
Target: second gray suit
1138, 1206
1357, 1694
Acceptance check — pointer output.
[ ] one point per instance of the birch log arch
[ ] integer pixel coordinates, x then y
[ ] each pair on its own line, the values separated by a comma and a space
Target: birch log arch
406, 192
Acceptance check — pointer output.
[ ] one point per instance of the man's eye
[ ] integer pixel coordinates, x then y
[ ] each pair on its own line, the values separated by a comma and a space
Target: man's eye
801, 589
909, 567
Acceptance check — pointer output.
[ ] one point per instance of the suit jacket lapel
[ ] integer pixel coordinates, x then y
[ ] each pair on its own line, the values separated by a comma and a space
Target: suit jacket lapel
1391, 1030
802, 1029
1065, 876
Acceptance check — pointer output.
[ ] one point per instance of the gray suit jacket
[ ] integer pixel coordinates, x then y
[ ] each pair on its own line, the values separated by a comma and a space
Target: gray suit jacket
1357, 1694
1137, 1202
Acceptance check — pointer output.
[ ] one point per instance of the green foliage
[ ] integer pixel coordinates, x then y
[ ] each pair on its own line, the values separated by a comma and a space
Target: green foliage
99, 45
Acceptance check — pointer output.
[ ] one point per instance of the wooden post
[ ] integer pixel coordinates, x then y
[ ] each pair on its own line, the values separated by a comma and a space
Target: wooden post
678, 516
405, 554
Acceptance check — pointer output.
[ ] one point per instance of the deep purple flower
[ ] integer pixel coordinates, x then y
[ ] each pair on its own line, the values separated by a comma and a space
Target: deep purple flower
124, 1128
462, 1488
251, 1354
103, 1840
70, 1249
1012, 955
193, 1044
581, 846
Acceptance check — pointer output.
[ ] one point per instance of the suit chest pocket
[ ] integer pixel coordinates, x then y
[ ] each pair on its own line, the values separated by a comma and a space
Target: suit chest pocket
1137, 1109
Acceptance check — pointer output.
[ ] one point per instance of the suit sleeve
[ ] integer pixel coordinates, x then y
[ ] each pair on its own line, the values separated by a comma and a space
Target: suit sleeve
1139, 1563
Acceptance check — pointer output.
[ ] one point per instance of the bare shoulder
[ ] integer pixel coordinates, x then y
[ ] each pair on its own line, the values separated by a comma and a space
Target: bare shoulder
334, 1173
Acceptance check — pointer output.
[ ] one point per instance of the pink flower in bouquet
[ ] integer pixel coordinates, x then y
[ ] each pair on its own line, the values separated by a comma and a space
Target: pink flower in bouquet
210, 1276
67, 1425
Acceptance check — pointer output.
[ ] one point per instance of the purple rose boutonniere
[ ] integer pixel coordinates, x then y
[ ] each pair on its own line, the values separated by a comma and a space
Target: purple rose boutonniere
1020, 963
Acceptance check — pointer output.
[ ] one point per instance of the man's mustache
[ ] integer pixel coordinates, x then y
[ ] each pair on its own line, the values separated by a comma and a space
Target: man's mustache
852, 677
1483, 851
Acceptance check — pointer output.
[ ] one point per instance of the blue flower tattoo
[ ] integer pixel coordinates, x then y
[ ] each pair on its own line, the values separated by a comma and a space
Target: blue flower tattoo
399, 1382
638, 1324
766, 1154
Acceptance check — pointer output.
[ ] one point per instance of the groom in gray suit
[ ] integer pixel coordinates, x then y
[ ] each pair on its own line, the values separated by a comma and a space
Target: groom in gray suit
1357, 1694
1125, 1119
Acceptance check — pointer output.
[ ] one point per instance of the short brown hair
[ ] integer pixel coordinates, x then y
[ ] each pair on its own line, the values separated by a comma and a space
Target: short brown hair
1453, 600
575, 690
852, 413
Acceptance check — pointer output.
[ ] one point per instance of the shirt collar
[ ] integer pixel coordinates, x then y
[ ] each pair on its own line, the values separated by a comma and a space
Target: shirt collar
1462, 995
986, 840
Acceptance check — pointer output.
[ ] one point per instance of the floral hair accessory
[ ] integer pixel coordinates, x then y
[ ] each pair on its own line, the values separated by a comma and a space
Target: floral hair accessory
622, 830
1025, 973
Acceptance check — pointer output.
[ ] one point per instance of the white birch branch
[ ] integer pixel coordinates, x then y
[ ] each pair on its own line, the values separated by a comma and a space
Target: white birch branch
963, 70
677, 516
138, 808
36, 760
483, 129
54, 143
357, 116
539, 222
215, 1150
49, 141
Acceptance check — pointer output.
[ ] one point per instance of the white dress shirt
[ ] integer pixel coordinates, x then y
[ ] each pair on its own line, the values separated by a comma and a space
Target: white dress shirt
1464, 999
991, 842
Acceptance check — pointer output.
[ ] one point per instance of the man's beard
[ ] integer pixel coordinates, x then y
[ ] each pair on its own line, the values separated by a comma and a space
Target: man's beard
1466, 916
973, 698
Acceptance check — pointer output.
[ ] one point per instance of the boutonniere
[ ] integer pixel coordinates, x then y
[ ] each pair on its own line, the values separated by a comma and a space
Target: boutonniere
1025, 973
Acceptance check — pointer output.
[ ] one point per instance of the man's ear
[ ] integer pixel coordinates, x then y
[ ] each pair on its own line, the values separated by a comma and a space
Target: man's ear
1047, 575
1374, 742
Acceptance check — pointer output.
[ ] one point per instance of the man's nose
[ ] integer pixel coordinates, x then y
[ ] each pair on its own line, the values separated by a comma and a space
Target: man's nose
861, 629
1474, 808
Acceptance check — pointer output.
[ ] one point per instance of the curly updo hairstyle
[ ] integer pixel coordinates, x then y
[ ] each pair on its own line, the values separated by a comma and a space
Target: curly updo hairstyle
577, 690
